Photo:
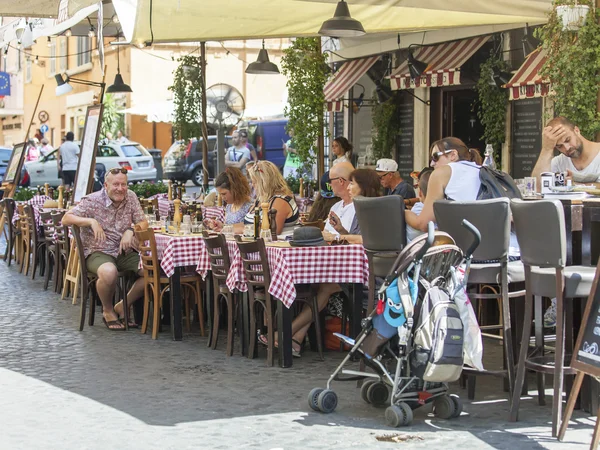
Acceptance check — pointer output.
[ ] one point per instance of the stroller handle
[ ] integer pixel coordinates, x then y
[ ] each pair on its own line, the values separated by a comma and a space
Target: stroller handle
428, 243
476, 237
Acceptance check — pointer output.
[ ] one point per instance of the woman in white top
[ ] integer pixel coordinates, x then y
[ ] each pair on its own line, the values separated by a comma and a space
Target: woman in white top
456, 177
342, 149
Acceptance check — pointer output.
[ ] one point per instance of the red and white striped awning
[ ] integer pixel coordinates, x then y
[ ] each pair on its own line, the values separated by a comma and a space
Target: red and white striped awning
444, 62
527, 83
342, 80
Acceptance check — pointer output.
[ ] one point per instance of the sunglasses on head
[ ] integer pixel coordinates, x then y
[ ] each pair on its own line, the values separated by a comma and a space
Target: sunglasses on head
435, 156
117, 170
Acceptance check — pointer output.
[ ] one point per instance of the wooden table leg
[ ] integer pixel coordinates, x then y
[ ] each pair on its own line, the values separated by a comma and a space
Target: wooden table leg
209, 302
244, 316
176, 316
284, 335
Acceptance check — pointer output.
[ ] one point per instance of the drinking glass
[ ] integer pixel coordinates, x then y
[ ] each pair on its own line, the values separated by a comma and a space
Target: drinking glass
530, 186
228, 230
249, 230
197, 228
185, 228
266, 235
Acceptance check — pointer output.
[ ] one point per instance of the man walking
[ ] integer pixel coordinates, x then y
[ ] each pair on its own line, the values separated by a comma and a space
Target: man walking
68, 158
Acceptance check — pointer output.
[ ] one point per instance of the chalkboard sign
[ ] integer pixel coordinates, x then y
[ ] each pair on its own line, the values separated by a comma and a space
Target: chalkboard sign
526, 136
405, 142
586, 356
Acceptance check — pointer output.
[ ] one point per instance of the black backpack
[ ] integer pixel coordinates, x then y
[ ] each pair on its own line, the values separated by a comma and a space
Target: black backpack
496, 184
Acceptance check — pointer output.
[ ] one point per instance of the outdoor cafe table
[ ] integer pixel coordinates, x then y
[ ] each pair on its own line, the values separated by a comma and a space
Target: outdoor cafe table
208, 212
290, 266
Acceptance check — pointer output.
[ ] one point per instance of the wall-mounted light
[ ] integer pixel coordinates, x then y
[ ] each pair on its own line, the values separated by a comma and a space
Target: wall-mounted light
415, 67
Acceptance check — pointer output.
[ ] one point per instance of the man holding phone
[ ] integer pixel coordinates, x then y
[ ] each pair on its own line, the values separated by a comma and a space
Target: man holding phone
342, 218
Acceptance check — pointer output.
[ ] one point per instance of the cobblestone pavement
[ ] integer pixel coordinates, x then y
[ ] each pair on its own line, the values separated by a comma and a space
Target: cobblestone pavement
61, 388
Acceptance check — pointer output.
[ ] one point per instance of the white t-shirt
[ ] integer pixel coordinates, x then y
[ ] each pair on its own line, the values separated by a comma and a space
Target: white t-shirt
590, 174
69, 152
237, 154
464, 183
346, 215
340, 159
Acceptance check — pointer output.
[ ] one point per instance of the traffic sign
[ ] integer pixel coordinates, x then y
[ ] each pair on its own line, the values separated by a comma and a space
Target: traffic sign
44, 128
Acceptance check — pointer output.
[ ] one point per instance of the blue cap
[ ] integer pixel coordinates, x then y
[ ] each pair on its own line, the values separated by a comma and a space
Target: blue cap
326, 191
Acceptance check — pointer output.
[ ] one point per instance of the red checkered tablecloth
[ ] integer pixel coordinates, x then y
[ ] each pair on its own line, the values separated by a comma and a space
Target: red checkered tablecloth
306, 265
179, 251
37, 202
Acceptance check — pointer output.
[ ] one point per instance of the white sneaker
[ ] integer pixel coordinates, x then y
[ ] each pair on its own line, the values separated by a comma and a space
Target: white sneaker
550, 315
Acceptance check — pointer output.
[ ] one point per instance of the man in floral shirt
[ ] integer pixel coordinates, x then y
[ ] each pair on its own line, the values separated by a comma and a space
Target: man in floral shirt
107, 218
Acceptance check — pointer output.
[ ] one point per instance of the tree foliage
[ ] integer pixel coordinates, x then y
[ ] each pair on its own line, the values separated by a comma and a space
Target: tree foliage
306, 70
386, 126
112, 119
187, 97
573, 68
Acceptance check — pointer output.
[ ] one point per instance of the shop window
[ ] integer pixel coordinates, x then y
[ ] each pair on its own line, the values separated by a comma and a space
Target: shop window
53, 57
84, 50
63, 66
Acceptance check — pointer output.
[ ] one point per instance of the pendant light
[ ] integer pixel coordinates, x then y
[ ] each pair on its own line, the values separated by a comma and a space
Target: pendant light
119, 85
262, 65
342, 24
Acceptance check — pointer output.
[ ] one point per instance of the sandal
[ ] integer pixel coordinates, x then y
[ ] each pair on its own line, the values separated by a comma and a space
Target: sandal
130, 323
296, 353
262, 339
110, 324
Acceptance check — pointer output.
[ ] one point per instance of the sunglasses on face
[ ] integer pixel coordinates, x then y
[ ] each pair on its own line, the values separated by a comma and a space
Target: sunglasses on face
381, 177
117, 170
435, 157
337, 178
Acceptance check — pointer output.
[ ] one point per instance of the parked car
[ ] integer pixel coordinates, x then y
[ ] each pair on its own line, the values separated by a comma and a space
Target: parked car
130, 155
184, 162
268, 137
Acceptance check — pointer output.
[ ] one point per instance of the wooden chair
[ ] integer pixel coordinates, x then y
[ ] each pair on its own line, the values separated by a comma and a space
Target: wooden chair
11, 231
218, 252
88, 286
62, 248
156, 283
38, 244
51, 252
25, 241
258, 275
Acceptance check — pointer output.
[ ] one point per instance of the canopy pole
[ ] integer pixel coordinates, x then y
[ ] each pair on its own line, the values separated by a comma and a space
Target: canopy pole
321, 139
204, 128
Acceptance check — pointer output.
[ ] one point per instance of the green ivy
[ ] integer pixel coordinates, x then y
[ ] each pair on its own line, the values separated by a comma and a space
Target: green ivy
306, 70
294, 183
386, 126
24, 194
491, 107
187, 97
573, 68
148, 189
112, 120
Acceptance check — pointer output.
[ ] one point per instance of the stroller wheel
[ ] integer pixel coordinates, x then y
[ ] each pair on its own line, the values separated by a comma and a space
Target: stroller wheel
313, 396
399, 415
365, 389
378, 394
444, 407
327, 401
458, 405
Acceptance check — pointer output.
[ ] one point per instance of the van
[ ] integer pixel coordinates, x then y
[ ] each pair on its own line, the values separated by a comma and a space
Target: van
268, 137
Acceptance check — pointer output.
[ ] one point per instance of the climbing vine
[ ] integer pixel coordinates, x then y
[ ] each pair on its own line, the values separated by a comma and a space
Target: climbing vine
306, 70
386, 126
187, 97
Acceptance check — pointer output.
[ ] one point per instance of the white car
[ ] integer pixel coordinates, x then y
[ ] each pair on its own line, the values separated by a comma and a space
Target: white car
130, 155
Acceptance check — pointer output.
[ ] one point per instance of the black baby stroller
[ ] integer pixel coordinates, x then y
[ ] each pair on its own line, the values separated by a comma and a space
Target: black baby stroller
413, 340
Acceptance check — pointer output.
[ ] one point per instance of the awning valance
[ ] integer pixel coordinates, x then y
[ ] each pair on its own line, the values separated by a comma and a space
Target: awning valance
527, 83
444, 62
343, 79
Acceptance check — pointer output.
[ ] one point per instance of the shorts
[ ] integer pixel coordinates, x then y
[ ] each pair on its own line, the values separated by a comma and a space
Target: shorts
124, 262
68, 177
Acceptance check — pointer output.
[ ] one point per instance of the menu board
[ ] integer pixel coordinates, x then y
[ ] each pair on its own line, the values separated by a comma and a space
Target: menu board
586, 357
526, 136
405, 142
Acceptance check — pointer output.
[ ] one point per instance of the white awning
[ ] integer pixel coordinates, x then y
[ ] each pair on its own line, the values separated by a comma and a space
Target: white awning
154, 112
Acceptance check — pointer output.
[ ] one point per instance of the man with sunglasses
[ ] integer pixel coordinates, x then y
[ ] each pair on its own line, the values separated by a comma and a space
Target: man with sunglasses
391, 181
107, 218
341, 218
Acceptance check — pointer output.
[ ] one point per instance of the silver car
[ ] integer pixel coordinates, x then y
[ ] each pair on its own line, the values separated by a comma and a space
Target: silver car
130, 155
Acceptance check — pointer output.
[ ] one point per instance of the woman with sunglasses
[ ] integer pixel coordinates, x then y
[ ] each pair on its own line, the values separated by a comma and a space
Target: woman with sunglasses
456, 177
271, 188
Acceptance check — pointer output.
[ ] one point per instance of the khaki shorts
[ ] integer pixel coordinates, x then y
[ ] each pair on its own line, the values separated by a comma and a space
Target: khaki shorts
123, 262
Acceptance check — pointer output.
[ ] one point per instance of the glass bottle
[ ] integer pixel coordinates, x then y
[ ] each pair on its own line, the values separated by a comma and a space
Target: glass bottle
489, 157
257, 222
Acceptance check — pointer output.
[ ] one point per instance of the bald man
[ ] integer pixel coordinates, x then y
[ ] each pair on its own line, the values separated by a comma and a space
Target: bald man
341, 218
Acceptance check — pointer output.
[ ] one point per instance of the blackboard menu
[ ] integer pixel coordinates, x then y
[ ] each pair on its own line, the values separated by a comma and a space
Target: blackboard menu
588, 342
405, 142
526, 136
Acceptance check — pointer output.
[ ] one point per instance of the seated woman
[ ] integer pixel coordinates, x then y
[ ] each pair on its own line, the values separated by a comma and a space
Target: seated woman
271, 188
324, 201
234, 189
363, 182
455, 177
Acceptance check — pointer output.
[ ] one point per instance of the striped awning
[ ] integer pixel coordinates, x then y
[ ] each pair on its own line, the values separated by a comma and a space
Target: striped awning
444, 62
527, 83
343, 79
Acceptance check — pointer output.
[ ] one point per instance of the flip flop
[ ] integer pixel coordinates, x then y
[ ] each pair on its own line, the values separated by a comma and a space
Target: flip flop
262, 339
130, 324
110, 323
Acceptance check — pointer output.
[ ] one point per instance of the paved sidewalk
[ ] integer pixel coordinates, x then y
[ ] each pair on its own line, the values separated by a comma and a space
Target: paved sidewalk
65, 389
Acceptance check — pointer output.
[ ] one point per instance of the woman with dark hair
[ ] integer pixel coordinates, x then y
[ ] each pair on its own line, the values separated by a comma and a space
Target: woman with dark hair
234, 189
342, 149
324, 201
456, 177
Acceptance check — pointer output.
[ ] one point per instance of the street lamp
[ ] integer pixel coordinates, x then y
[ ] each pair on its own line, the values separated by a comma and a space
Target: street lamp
64, 86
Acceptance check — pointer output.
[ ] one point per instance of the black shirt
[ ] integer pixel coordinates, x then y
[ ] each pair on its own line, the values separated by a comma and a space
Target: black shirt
404, 189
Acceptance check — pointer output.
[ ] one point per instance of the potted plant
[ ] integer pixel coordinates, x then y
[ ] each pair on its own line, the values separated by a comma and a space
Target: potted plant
572, 16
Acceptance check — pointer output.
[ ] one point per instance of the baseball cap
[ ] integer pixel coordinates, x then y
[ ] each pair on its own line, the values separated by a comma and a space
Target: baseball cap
326, 191
386, 165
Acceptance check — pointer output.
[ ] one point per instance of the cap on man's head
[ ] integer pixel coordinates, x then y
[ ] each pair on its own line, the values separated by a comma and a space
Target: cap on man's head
326, 191
45, 141
243, 133
386, 165
70, 136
